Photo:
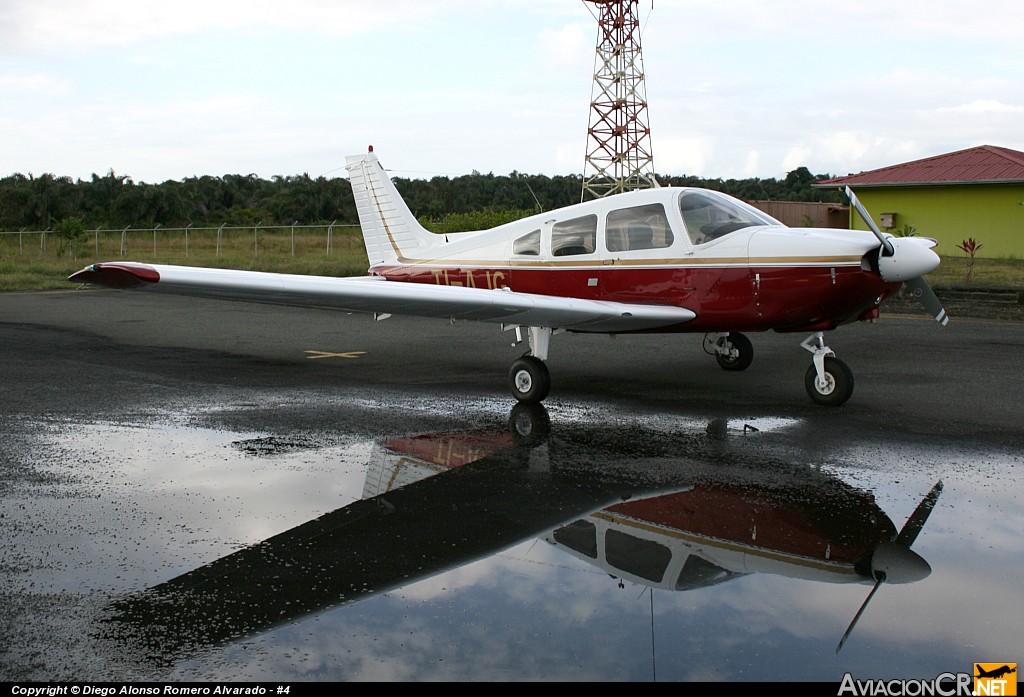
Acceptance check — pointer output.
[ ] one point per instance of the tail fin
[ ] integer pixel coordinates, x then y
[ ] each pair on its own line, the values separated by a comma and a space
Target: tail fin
390, 230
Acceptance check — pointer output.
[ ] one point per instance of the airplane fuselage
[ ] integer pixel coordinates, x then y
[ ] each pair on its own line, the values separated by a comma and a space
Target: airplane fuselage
758, 276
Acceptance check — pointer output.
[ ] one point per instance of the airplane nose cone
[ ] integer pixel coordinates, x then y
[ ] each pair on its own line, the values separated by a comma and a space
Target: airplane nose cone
899, 564
912, 258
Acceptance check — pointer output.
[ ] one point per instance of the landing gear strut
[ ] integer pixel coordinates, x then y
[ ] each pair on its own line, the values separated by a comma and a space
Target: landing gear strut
529, 379
829, 381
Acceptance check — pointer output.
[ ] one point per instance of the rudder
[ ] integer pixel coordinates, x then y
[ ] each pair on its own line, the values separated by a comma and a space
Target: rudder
390, 230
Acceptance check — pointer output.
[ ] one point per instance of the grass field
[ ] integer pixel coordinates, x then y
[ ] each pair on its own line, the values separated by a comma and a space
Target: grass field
26, 264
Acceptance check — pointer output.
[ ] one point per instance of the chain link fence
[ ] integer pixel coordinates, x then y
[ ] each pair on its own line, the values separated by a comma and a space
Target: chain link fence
187, 242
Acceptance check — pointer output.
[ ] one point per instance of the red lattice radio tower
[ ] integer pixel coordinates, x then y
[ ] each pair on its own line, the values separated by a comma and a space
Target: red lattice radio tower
619, 154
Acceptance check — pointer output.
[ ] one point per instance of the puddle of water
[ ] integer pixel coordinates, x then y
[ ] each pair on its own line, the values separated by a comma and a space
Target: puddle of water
123, 507
159, 500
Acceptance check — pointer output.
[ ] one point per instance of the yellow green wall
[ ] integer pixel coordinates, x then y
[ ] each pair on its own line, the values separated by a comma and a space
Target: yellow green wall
991, 214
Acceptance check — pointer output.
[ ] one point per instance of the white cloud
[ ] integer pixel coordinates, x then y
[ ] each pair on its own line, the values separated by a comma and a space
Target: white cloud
745, 90
33, 84
984, 107
47, 24
683, 155
571, 46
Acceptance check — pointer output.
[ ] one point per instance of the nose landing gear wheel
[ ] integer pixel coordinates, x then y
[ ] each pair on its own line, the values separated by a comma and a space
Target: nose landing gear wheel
740, 352
529, 380
837, 386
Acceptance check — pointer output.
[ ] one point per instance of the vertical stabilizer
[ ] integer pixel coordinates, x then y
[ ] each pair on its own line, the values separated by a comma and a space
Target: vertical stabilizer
390, 230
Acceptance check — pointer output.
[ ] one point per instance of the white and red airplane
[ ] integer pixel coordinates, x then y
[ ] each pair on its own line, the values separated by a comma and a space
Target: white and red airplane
655, 260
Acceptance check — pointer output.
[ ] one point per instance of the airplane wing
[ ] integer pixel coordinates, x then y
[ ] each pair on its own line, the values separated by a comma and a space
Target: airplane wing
378, 295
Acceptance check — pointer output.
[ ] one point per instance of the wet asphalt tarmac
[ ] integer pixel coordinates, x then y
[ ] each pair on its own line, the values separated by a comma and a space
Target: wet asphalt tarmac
147, 437
911, 375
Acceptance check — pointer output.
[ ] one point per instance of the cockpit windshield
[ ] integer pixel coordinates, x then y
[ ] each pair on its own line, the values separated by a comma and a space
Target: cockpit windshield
708, 216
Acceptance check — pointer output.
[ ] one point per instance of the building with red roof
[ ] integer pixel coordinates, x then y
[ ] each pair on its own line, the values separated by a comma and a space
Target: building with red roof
977, 192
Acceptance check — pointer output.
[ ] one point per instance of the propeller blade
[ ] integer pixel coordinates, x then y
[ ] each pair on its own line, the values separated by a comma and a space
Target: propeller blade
895, 561
920, 289
864, 605
918, 518
855, 202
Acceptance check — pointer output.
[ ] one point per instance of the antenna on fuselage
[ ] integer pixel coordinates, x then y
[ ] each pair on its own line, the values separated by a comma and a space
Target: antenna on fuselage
530, 189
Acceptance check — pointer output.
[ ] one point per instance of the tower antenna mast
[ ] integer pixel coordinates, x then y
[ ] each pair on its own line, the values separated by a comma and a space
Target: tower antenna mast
619, 156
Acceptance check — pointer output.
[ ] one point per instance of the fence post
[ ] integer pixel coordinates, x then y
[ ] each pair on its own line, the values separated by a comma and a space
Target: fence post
154, 239
96, 244
293, 237
186, 238
256, 240
124, 240
218, 238
330, 232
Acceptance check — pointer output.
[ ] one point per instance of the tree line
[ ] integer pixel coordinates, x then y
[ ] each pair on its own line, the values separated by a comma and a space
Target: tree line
116, 201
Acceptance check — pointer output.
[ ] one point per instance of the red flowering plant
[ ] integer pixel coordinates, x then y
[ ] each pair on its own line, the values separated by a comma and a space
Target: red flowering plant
970, 246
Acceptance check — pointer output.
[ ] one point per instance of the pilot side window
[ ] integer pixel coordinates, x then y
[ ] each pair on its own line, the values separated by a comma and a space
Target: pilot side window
576, 236
527, 244
708, 217
639, 227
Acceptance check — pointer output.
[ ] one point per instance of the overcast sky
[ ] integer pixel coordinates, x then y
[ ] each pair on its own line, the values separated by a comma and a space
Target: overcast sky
737, 88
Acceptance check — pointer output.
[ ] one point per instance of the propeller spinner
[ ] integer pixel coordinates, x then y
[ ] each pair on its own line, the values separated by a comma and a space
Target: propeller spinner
905, 259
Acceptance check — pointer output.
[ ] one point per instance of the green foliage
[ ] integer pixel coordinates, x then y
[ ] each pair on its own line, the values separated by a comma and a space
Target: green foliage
116, 201
70, 233
906, 230
475, 220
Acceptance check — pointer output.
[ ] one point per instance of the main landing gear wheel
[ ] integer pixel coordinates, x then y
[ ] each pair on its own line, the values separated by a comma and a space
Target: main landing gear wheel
529, 380
739, 352
836, 387
530, 424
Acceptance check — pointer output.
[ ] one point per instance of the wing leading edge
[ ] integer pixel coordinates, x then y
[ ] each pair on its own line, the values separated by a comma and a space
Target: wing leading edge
376, 294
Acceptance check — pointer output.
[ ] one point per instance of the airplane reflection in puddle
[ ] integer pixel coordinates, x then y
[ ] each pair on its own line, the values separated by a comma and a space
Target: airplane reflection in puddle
632, 506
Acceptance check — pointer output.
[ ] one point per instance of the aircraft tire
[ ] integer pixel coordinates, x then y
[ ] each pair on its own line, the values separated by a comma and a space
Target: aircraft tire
744, 348
529, 380
838, 383
530, 424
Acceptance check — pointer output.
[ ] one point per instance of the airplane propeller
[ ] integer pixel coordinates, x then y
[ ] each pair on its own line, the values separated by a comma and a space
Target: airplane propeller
905, 259
893, 561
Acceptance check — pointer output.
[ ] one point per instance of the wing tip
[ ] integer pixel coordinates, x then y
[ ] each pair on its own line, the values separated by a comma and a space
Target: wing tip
114, 275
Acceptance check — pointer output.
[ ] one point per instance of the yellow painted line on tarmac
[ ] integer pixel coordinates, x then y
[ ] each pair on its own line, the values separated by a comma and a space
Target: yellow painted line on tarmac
314, 355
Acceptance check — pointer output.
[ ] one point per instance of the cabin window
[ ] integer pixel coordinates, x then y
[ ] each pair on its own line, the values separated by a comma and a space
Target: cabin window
580, 536
644, 558
708, 217
527, 244
575, 236
639, 227
700, 573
